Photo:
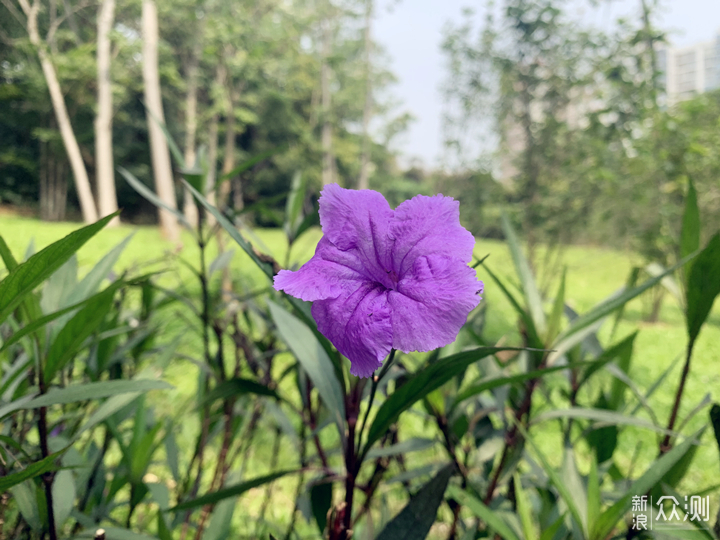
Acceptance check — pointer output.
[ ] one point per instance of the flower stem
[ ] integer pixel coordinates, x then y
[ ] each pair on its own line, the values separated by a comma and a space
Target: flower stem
375, 382
666, 445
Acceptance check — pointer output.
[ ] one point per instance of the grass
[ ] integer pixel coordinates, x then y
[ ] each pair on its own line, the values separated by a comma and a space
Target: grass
592, 275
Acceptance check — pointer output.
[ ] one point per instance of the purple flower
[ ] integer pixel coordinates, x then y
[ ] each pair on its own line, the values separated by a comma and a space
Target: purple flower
383, 279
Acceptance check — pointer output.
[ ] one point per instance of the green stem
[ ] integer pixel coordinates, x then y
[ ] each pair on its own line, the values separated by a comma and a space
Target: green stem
375, 382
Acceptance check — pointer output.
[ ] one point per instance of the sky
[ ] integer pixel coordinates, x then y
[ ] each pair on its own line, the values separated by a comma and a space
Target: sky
411, 33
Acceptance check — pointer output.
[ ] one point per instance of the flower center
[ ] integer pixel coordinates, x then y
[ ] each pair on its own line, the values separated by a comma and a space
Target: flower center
391, 281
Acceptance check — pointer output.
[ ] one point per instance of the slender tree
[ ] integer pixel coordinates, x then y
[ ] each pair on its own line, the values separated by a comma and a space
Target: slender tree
82, 181
328, 176
364, 180
191, 112
105, 172
162, 169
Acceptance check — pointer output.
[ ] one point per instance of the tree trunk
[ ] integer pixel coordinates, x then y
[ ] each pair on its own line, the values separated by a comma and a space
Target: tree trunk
364, 180
213, 149
327, 161
189, 207
162, 170
53, 185
229, 156
82, 182
105, 172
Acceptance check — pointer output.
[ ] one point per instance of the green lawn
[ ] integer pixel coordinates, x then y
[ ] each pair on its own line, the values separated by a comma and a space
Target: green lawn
592, 275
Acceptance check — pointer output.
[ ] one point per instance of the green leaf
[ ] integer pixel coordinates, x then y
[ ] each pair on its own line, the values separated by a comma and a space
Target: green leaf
629, 284
107, 409
532, 295
63, 490
414, 444
164, 532
148, 194
7, 256
237, 387
523, 508
594, 499
250, 163
574, 485
556, 481
85, 392
232, 491
220, 526
533, 338
294, 206
172, 145
415, 520
494, 521
608, 519
321, 501
551, 531
28, 275
93, 279
419, 385
26, 499
622, 350
314, 360
606, 307
489, 384
31, 471
42, 321
702, 287
557, 311
715, 421
690, 232
600, 415
221, 262
265, 266
71, 337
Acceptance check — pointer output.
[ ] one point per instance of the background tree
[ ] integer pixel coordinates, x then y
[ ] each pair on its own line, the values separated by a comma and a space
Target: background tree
162, 169
105, 175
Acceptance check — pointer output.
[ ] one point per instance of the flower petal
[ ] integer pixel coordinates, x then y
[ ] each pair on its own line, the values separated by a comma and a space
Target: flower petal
358, 325
329, 274
358, 220
428, 225
432, 303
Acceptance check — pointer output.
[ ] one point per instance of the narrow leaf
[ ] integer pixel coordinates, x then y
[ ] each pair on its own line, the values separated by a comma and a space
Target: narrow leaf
415, 520
250, 163
703, 286
232, 491
495, 382
420, 385
527, 280
265, 266
614, 302
313, 359
71, 337
690, 232
237, 387
608, 519
494, 521
148, 194
28, 275
31, 471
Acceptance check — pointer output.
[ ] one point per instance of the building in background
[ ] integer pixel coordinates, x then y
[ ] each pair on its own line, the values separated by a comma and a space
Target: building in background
688, 71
